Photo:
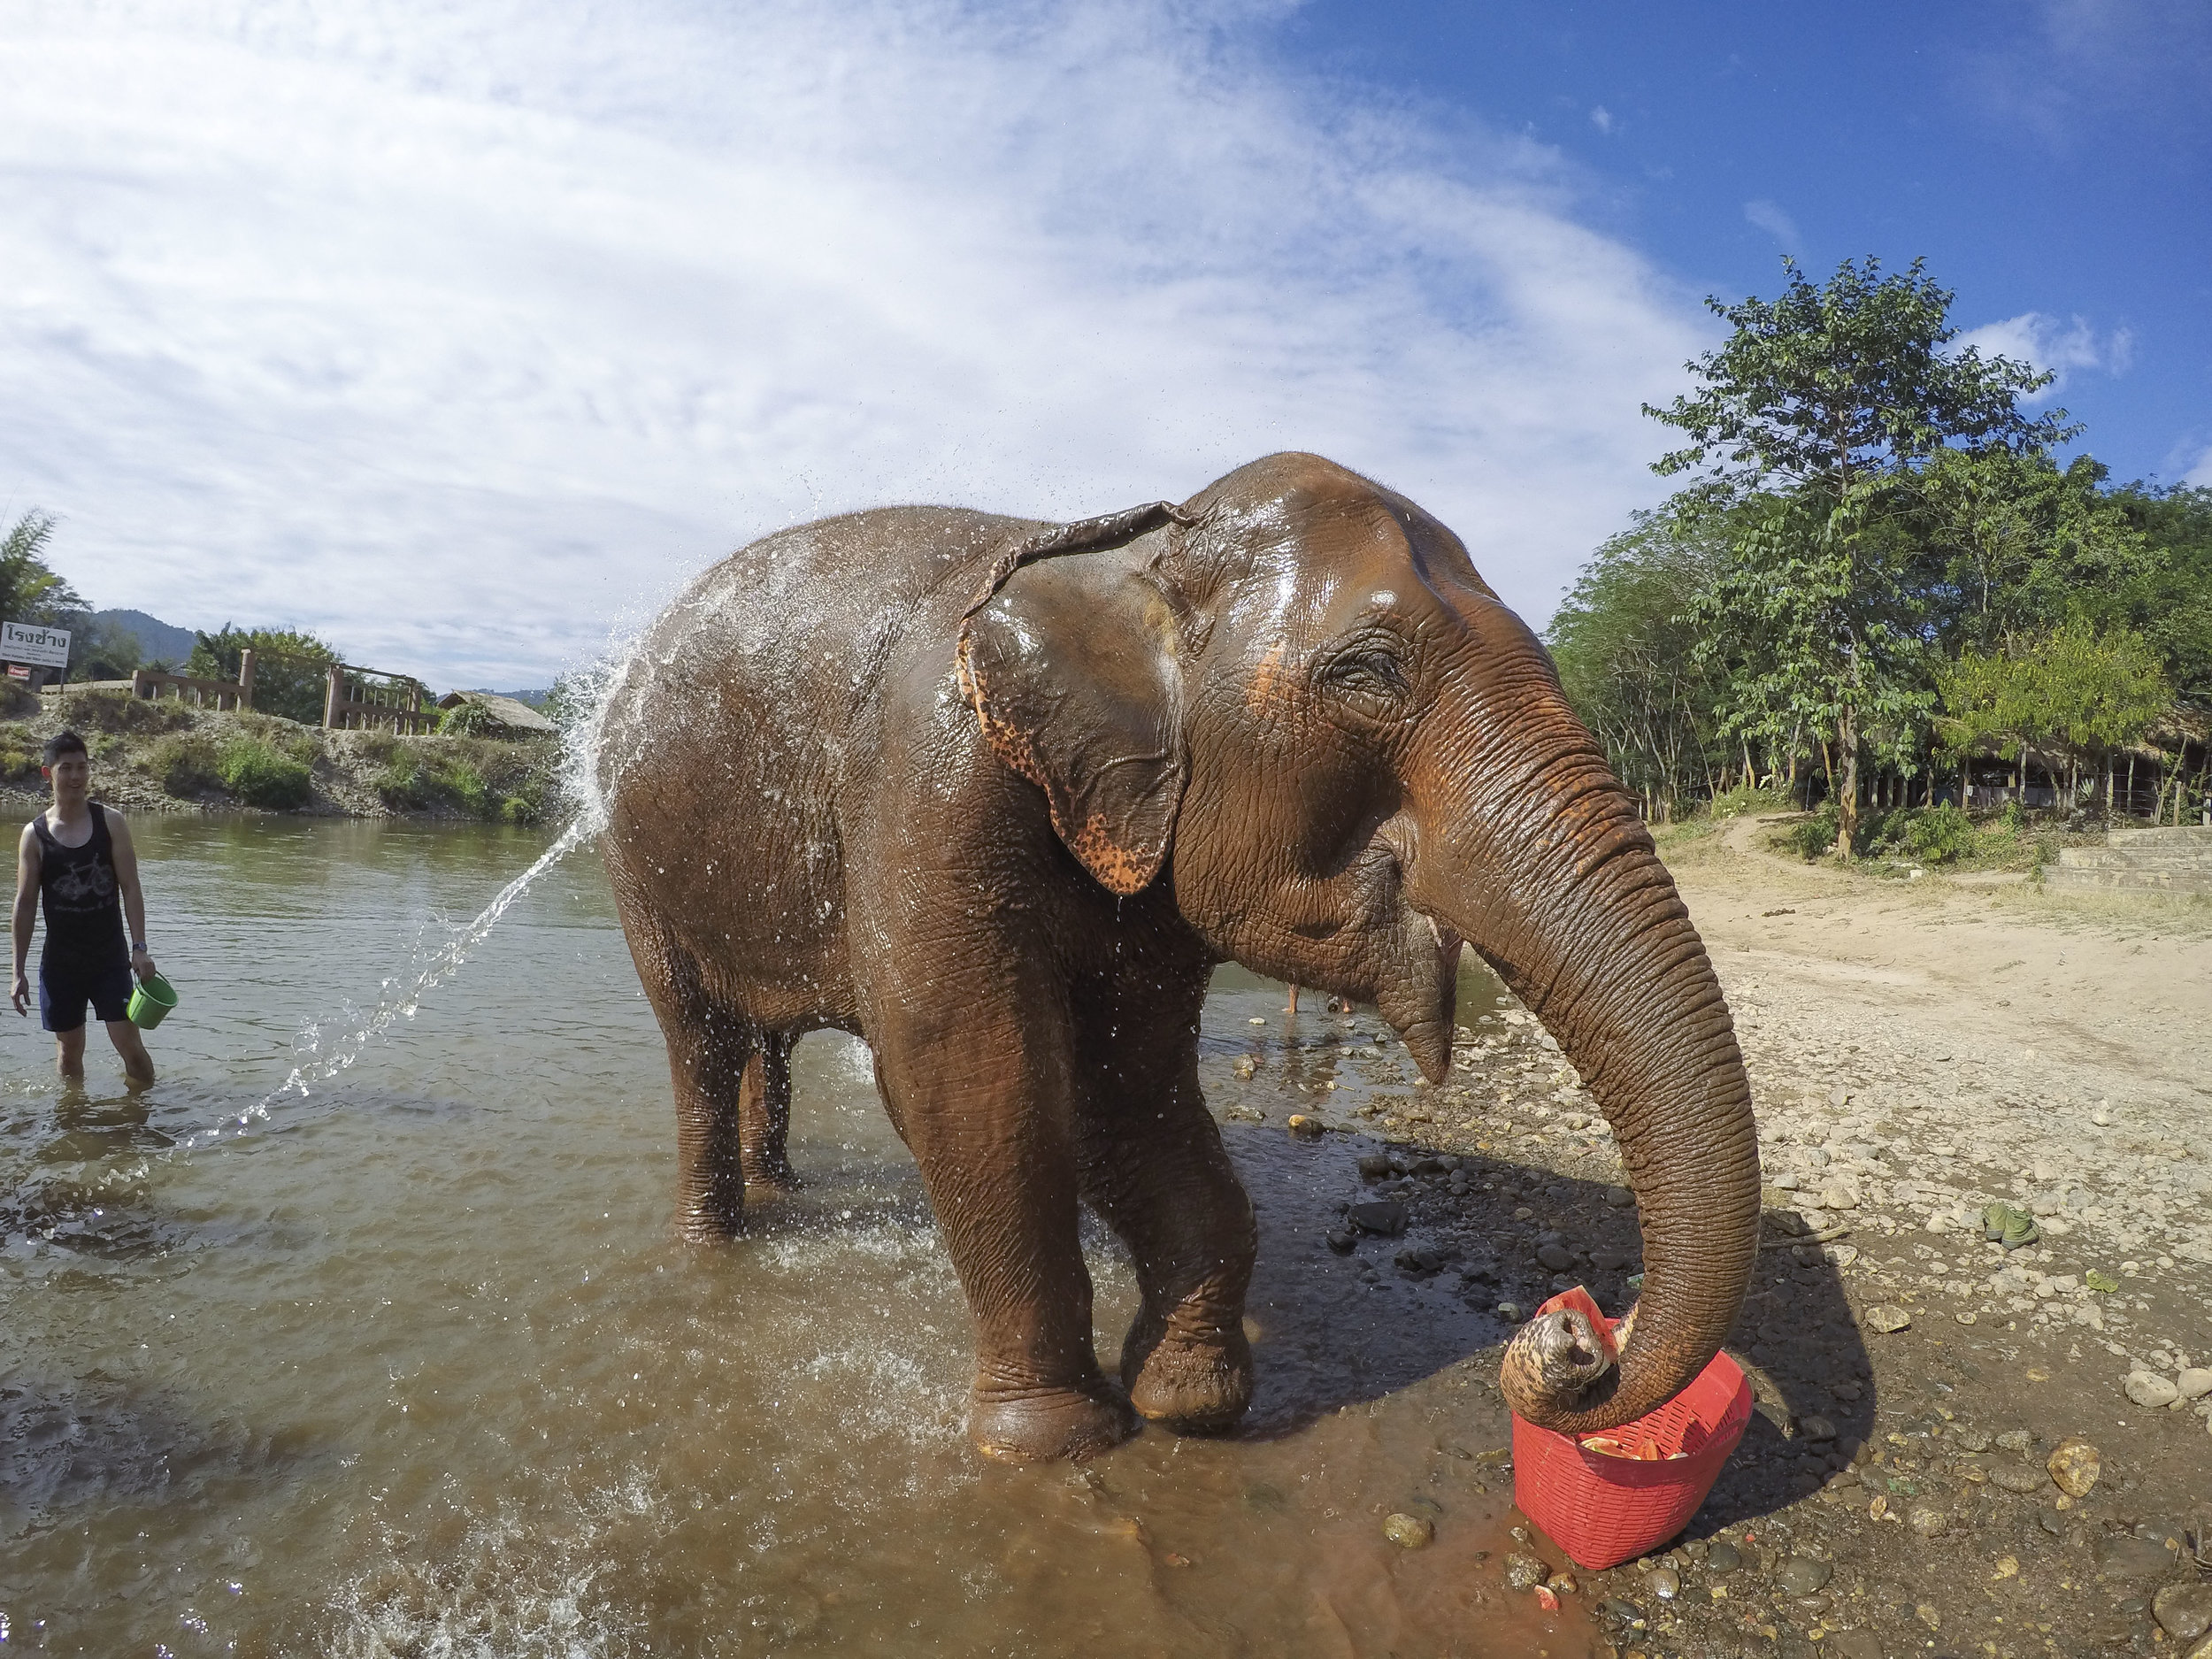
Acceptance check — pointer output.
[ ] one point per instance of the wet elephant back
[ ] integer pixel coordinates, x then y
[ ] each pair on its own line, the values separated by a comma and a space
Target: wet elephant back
738, 721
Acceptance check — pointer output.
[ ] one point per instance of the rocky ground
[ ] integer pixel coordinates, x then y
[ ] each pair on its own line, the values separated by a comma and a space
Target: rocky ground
1957, 1449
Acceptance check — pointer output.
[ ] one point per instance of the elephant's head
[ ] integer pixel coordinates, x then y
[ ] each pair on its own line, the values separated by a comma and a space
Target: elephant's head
1295, 697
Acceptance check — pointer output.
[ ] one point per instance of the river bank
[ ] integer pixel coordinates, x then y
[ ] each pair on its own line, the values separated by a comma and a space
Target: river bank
1918, 1051
164, 756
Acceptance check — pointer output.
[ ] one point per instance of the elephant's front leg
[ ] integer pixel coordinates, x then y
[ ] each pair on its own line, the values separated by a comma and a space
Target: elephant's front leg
983, 1101
1155, 1168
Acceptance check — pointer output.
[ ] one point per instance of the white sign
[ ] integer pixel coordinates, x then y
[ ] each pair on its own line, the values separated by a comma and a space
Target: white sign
29, 642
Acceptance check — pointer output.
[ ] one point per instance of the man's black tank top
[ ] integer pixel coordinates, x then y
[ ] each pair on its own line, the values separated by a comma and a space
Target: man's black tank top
83, 903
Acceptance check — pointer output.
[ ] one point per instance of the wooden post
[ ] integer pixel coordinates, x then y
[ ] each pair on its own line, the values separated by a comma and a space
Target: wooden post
331, 698
245, 677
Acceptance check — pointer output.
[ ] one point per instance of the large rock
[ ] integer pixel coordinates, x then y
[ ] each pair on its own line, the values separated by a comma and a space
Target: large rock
1802, 1575
1409, 1531
2151, 1391
2075, 1466
2123, 1556
1385, 1216
2184, 1611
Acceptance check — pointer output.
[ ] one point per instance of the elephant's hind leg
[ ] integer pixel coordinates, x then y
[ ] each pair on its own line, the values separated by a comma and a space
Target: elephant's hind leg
765, 1115
711, 1049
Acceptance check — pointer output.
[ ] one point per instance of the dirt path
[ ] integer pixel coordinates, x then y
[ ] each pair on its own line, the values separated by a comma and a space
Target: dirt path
2060, 980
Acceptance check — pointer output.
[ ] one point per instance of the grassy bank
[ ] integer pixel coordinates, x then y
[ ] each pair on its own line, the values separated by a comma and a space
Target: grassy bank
164, 756
1905, 842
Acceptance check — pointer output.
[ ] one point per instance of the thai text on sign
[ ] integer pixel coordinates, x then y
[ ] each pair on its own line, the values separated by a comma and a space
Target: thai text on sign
33, 643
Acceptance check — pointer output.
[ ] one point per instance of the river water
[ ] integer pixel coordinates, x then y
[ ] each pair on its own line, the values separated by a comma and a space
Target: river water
408, 1363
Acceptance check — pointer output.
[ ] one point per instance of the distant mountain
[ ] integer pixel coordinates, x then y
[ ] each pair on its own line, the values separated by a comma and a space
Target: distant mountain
156, 638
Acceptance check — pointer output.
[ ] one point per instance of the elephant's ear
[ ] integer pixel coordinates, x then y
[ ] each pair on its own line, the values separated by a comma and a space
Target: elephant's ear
1071, 666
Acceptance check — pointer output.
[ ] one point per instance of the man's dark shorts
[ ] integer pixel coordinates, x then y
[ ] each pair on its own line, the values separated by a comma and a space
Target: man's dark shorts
63, 990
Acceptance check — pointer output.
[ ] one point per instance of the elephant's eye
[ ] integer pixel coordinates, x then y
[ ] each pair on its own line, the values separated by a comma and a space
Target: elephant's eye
1367, 674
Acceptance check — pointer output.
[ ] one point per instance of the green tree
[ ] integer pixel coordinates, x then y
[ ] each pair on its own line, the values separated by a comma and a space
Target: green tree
29, 589
1624, 645
2013, 544
100, 650
1811, 421
291, 670
2077, 688
2170, 604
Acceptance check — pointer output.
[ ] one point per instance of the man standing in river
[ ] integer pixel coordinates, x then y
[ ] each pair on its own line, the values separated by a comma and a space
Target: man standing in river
77, 855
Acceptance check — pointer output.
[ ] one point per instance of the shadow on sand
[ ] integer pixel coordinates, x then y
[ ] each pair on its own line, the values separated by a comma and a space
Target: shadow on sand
1337, 1329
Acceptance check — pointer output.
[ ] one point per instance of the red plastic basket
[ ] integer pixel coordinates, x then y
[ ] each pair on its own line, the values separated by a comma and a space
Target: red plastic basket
1604, 1510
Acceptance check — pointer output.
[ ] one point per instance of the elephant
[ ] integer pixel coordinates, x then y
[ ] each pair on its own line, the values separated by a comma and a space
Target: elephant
997, 795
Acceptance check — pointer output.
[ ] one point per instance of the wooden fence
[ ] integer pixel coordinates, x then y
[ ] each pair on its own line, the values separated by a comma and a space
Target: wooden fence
359, 698
148, 684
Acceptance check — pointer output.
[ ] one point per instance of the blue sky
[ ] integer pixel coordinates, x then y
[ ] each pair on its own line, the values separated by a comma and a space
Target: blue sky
2050, 161
464, 331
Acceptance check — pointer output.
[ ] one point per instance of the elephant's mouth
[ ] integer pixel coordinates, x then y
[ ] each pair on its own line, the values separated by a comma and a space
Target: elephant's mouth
1405, 960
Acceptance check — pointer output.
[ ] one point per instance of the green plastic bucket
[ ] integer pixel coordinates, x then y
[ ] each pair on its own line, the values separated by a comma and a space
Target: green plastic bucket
151, 999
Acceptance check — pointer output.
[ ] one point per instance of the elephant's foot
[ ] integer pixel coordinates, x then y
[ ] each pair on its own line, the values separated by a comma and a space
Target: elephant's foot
774, 1173
711, 1220
1197, 1385
1048, 1425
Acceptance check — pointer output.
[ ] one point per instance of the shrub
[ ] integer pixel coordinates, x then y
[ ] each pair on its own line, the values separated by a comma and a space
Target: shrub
378, 748
415, 779
20, 756
400, 784
1813, 836
1879, 830
1744, 799
531, 800
2012, 818
185, 763
507, 781
1940, 835
467, 719
260, 775
464, 787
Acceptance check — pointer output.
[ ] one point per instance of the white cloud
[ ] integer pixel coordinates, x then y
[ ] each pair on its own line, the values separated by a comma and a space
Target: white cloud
455, 333
2200, 476
1601, 119
1768, 218
2059, 348
2070, 72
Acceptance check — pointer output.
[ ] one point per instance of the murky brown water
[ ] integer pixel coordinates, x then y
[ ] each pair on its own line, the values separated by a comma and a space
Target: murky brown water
412, 1367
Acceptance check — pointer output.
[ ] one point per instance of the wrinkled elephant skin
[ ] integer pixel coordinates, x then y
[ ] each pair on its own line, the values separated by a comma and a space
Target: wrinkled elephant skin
997, 795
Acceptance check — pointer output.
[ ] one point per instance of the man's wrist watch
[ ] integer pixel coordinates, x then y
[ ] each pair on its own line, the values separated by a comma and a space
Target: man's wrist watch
138, 944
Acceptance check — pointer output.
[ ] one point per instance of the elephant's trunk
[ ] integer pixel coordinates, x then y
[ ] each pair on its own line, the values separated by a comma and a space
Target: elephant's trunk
1543, 866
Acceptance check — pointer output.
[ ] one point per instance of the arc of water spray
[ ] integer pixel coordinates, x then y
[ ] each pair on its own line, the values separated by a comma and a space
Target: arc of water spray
583, 767
322, 1064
